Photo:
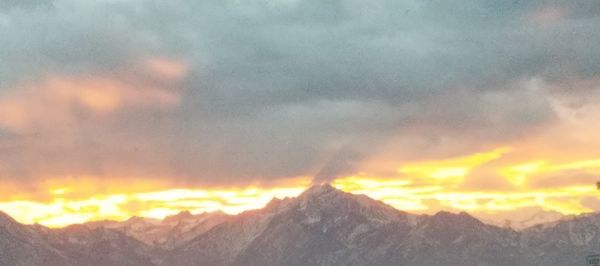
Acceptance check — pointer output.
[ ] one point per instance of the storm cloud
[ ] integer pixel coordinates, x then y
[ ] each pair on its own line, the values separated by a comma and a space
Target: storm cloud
240, 91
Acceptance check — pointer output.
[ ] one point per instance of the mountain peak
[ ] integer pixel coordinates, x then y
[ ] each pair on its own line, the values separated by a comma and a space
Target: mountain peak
134, 219
326, 198
315, 193
182, 215
445, 217
319, 189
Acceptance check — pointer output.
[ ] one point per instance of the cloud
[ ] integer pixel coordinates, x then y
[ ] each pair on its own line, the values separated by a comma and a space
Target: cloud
9, 5
58, 101
237, 91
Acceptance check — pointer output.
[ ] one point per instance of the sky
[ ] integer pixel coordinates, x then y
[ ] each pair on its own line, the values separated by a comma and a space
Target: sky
114, 108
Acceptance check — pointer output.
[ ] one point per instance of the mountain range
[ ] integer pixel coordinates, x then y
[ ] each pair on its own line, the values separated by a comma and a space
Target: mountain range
322, 226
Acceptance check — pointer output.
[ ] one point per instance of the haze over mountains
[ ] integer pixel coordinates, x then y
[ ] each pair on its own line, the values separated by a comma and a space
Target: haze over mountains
322, 226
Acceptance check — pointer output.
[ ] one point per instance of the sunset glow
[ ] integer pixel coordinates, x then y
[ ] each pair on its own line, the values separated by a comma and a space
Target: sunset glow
417, 186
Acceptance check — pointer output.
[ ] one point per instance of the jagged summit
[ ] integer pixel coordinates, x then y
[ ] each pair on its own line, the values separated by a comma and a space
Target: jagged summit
446, 216
141, 220
134, 219
320, 195
325, 199
330, 194
319, 190
182, 215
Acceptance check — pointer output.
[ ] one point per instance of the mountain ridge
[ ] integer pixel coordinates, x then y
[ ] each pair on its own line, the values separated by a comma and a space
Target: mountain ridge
322, 226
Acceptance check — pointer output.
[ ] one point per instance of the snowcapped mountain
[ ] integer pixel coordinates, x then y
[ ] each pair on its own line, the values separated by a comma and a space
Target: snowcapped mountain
312, 229
564, 242
325, 226
523, 219
167, 233
322, 226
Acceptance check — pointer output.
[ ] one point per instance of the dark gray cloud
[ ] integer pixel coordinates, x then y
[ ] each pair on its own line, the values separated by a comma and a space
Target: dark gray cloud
10, 5
279, 88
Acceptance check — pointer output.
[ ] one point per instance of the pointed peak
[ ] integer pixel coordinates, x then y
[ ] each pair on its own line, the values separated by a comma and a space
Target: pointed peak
319, 189
275, 203
321, 195
182, 215
445, 216
135, 219
328, 194
140, 220
442, 214
326, 198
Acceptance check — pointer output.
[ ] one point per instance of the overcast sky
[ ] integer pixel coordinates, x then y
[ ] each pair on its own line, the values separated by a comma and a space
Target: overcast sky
225, 91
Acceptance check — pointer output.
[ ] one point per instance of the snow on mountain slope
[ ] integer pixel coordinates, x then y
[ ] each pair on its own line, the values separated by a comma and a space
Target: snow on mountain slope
187, 226
101, 246
167, 233
564, 242
522, 219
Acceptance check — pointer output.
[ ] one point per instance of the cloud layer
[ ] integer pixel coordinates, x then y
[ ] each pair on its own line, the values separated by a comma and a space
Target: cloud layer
219, 92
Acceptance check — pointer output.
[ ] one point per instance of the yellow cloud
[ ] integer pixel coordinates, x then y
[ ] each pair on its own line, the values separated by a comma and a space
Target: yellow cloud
517, 174
422, 187
453, 170
77, 201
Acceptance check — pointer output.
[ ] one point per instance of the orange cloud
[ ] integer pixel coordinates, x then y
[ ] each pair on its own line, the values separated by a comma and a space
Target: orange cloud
59, 99
166, 68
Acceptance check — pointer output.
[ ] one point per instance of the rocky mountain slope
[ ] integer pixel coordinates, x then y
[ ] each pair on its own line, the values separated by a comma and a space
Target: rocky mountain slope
167, 233
74, 245
322, 226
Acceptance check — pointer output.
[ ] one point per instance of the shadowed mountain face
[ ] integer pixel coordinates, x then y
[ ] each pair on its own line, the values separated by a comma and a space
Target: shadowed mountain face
74, 245
24, 245
323, 226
